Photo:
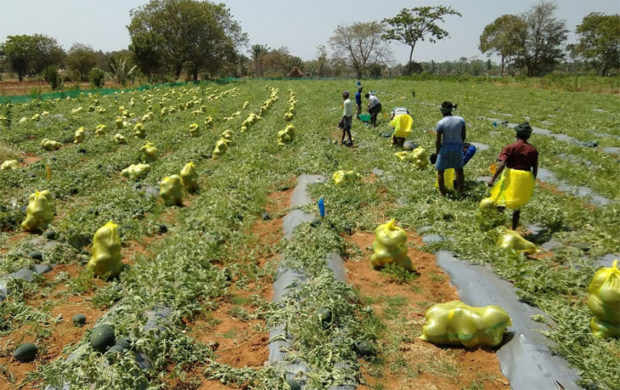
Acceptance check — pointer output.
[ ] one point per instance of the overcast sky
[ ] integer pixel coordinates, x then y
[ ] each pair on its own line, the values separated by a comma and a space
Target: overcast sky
299, 25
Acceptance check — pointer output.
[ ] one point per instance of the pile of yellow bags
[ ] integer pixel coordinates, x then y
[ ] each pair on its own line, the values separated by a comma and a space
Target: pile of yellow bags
390, 246
106, 260
417, 156
171, 190
345, 176
510, 239
457, 323
604, 302
39, 213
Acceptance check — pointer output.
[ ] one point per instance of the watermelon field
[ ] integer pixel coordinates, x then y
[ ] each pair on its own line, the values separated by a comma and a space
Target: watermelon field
194, 304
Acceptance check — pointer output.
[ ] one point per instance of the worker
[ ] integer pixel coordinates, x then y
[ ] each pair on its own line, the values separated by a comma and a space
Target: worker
449, 146
374, 108
518, 166
347, 119
358, 101
401, 121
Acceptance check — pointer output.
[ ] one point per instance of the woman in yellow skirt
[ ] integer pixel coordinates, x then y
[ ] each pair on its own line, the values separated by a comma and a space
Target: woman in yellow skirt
518, 166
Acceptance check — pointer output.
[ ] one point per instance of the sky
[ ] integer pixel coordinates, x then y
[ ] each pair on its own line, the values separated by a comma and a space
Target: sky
299, 25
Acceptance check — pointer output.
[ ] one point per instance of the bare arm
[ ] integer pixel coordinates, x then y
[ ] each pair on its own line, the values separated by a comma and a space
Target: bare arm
438, 142
498, 170
535, 169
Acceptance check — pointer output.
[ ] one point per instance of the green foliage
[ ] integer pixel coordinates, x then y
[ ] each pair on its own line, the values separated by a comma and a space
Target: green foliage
417, 24
80, 60
360, 45
598, 41
504, 37
96, 77
184, 35
31, 53
50, 74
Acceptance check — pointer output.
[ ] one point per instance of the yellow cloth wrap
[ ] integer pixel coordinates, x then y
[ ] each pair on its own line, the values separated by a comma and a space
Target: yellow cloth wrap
510, 239
106, 260
604, 302
457, 323
390, 246
402, 125
514, 188
136, 171
39, 213
171, 190
345, 177
189, 177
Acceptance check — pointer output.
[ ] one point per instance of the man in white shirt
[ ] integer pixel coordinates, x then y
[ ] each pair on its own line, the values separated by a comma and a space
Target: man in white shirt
374, 108
347, 119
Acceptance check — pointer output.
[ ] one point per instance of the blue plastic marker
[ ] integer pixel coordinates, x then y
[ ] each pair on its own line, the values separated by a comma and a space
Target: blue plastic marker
322, 207
495, 124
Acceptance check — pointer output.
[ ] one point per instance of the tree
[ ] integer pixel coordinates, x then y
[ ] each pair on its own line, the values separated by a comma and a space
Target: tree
541, 47
360, 45
30, 54
504, 36
258, 51
80, 60
416, 24
184, 34
121, 71
599, 42
321, 59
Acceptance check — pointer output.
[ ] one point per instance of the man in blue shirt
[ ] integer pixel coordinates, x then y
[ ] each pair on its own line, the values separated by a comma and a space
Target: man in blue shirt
449, 146
358, 101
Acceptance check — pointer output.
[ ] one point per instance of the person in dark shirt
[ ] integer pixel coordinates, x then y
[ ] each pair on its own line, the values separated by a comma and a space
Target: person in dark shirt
520, 156
358, 101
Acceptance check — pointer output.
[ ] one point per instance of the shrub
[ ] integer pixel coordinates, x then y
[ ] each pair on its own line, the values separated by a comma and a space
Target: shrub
50, 74
96, 77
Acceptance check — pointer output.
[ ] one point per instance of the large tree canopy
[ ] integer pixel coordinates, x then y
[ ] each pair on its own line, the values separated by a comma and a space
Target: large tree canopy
184, 35
81, 59
416, 24
542, 47
599, 41
504, 36
31, 53
360, 45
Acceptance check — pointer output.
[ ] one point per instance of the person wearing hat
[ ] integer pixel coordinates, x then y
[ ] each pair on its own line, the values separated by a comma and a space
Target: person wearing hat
518, 166
358, 101
347, 119
449, 146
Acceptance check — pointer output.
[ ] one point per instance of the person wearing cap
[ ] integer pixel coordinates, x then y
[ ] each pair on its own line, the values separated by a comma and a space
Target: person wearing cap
374, 108
358, 102
347, 119
518, 166
449, 146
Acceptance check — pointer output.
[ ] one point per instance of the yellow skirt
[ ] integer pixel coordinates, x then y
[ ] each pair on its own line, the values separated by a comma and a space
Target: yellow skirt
514, 188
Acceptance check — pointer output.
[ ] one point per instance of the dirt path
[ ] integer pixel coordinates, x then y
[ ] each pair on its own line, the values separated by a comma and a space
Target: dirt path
405, 361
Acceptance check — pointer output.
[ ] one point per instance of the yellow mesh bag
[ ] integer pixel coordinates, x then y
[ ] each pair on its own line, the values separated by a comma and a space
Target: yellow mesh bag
189, 177
39, 213
136, 171
345, 176
604, 302
457, 323
390, 246
106, 259
449, 175
510, 239
171, 190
